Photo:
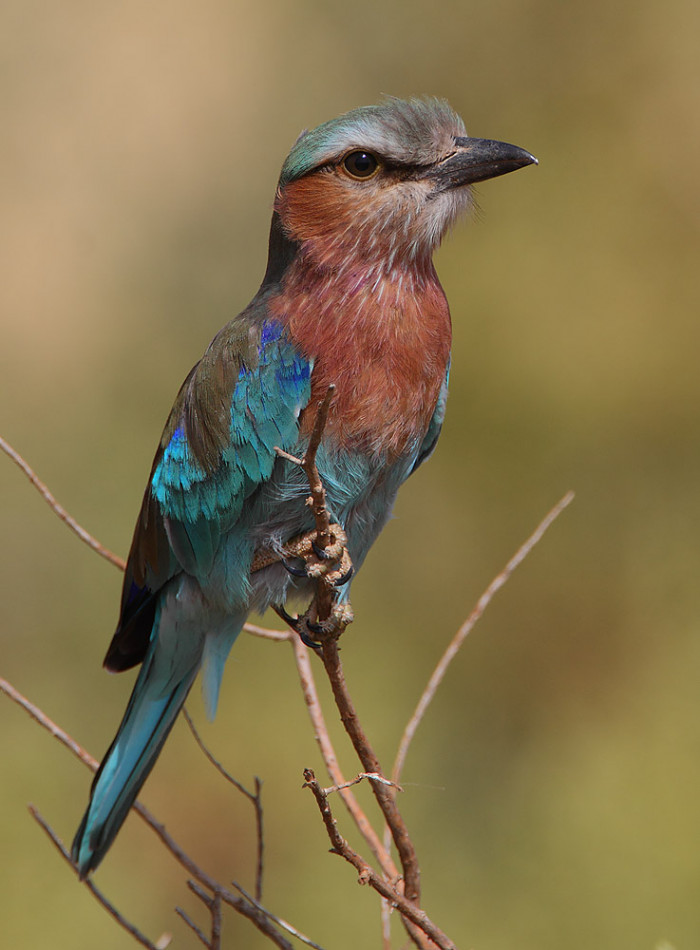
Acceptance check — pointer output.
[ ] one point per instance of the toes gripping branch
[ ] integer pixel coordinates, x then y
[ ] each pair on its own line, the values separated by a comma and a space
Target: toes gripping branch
323, 551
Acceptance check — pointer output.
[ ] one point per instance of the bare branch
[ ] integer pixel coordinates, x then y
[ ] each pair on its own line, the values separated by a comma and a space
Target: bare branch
278, 920
108, 906
253, 797
59, 509
367, 874
14, 694
214, 761
385, 796
465, 630
201, 936
313, 705
213, 904
359, 778
318, 492
277, 636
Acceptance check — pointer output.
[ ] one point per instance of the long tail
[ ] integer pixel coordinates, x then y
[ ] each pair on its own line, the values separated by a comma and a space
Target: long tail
160, 690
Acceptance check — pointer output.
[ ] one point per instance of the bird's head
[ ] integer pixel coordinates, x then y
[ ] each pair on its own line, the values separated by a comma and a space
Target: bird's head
379, 186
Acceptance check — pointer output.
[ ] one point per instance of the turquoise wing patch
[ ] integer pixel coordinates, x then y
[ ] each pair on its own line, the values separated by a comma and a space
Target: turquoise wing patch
201, 503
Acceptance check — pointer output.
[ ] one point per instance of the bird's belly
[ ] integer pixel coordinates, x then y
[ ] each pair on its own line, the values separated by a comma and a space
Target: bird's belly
360, 494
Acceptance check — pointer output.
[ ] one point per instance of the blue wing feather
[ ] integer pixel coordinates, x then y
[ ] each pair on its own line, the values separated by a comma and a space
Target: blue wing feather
217, 449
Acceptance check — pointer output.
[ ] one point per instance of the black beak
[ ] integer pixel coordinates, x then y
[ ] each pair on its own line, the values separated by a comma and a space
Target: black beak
476, 160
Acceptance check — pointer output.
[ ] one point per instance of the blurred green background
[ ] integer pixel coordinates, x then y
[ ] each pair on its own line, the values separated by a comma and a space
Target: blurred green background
553, 788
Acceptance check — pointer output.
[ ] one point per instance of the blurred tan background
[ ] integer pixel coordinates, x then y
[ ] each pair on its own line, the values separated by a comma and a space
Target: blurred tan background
554, 788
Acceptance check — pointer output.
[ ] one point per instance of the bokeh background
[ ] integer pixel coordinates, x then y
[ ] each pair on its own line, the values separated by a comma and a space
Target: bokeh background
553, 790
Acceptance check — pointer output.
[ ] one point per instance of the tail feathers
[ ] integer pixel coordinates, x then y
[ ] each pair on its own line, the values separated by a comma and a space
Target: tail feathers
149, 717
216, 650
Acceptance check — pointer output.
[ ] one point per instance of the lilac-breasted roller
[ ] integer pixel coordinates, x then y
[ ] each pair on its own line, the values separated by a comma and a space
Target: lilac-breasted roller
350, 297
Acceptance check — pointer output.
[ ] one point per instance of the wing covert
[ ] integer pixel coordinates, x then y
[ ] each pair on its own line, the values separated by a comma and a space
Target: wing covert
240, 401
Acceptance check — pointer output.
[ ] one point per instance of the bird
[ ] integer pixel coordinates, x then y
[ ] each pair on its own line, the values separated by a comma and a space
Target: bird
350, 300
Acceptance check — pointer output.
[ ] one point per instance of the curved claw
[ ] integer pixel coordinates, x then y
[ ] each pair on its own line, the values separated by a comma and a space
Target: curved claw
293, 622
298, 626
307, 641
320, 553
345, 577
295, 571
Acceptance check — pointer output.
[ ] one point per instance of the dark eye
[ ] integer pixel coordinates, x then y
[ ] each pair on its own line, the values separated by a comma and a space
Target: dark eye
360, 164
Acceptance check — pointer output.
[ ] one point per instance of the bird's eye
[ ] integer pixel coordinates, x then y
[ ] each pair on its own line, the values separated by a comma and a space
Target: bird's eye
360, 164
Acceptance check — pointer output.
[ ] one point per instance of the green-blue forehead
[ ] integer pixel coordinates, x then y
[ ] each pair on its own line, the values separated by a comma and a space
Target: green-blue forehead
416, 131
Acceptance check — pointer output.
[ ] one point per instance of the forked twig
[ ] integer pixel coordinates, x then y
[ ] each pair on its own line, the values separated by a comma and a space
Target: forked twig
330, 759
385, 796
213, 904
280, 921
253, 797
367, 874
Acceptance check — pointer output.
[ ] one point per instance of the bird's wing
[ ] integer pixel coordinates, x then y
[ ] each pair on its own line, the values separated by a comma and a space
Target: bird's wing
434, 426
239, 402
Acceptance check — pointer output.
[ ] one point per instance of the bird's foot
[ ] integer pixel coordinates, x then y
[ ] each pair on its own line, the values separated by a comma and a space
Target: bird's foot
312, 632
330, 562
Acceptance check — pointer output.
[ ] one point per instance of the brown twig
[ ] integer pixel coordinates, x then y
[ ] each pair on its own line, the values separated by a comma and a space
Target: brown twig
313, 705
385, 796
367, 874
108, 906
253, 797
280, 921
39, 716
59, 509
213, 904
360, 778
466, 628
201, 936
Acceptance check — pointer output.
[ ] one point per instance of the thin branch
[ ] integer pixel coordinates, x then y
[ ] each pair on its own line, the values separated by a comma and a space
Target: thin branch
39, 716
313, 705
253, 797
277, 636
367, 874
108, 906
318, 492
385, 796
58, 509
260, 836
359, 778
278, 920
201, 936
465, 630
214, 761
213, 904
